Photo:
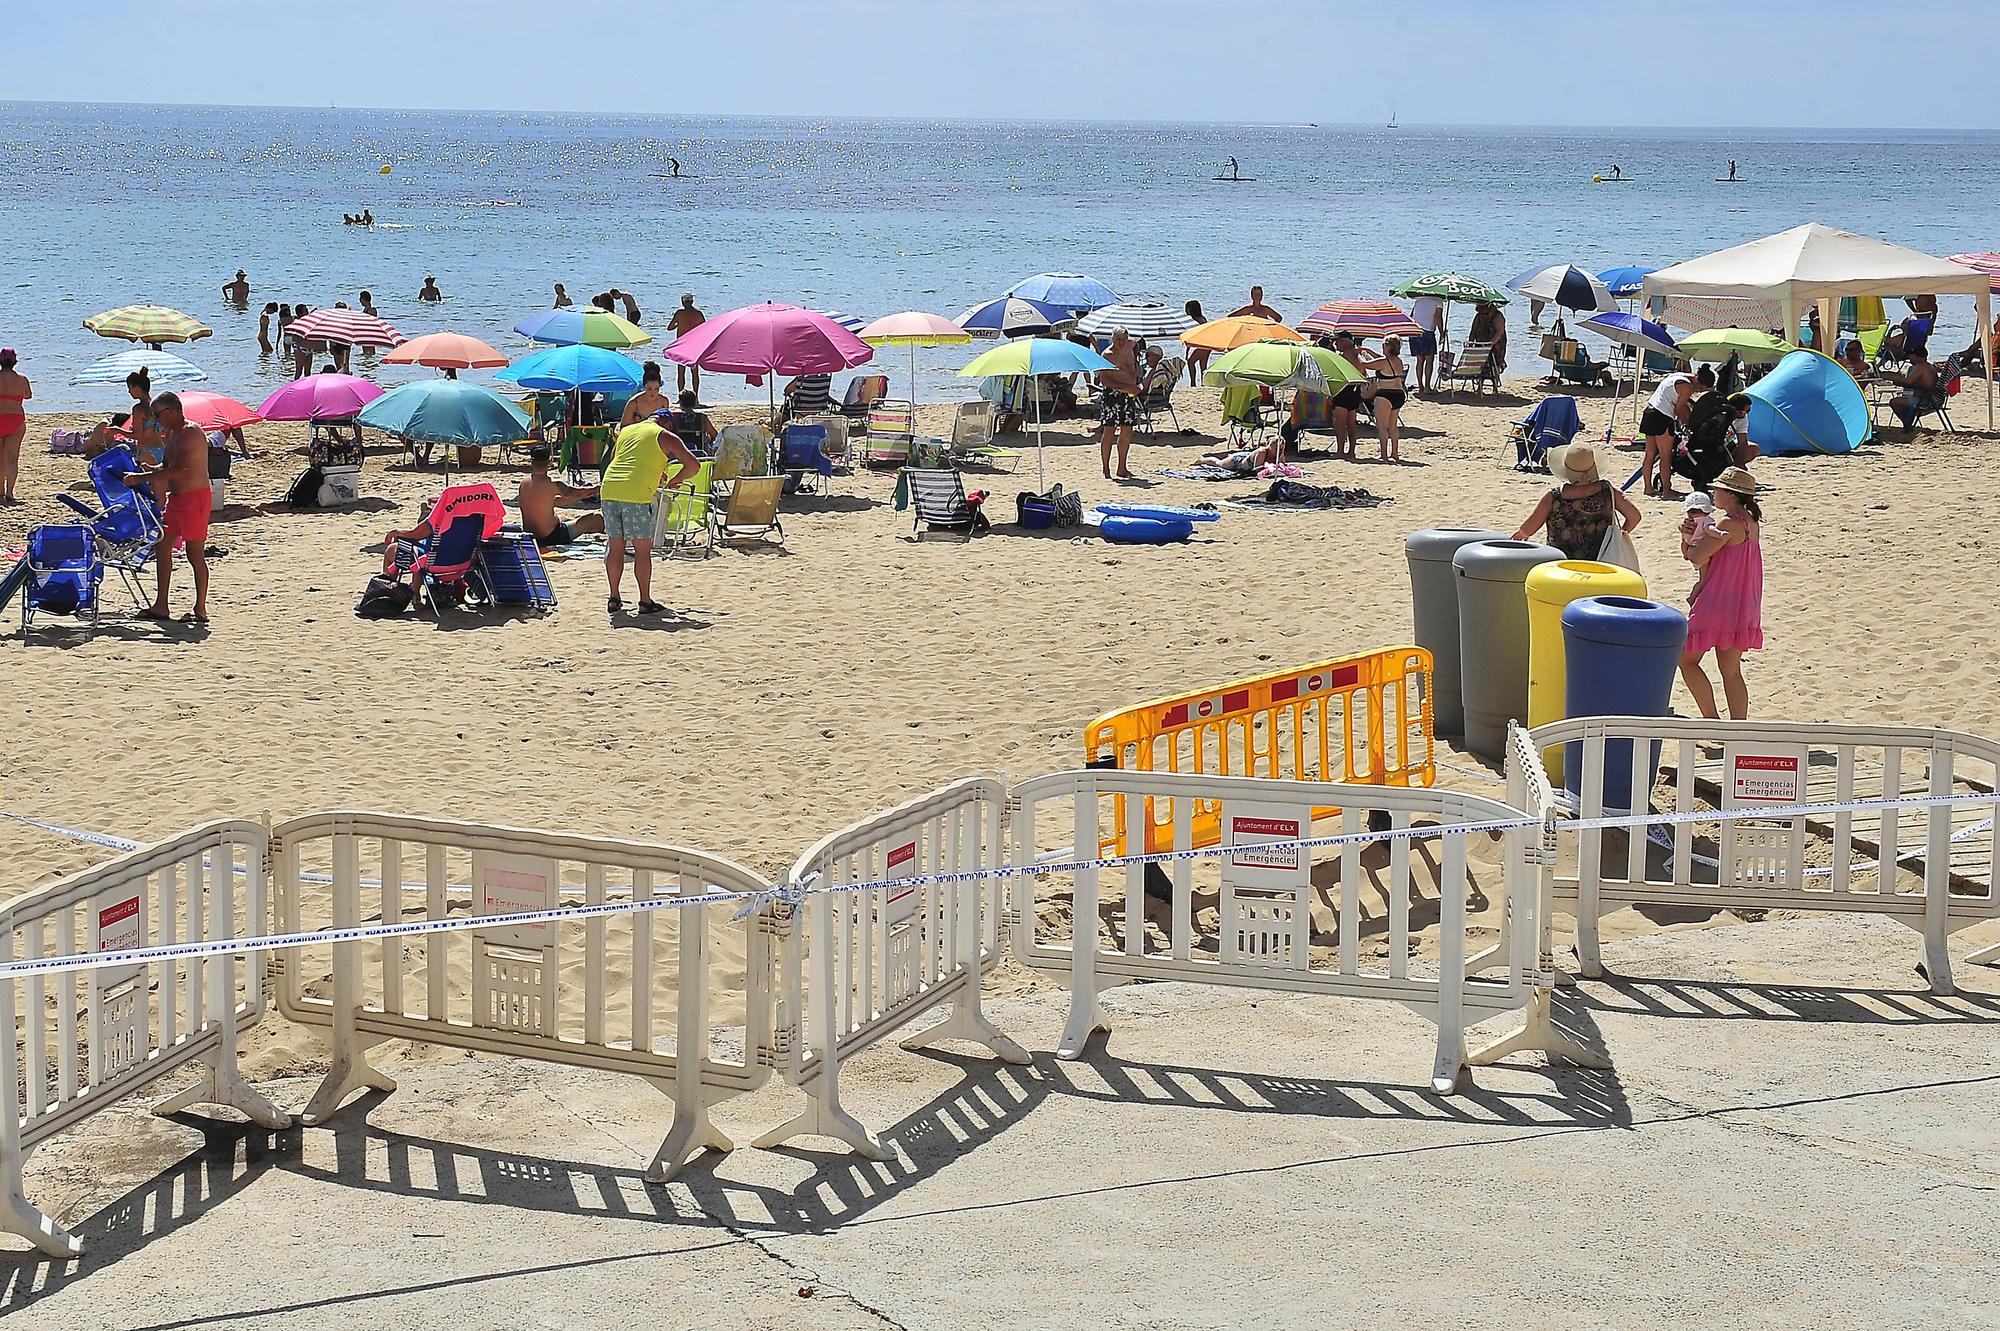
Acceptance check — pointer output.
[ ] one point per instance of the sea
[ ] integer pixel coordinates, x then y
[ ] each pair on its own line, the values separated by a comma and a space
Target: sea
105, 205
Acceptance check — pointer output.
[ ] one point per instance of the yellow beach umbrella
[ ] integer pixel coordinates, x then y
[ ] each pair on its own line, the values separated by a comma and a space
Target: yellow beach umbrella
1238, 331
151, 324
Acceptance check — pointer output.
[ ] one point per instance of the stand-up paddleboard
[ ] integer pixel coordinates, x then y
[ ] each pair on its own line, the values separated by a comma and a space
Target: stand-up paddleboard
1612, 180
1232, 180
1729, 180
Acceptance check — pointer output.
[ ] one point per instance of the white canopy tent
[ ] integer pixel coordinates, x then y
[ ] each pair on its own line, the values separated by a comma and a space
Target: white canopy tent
1815, 263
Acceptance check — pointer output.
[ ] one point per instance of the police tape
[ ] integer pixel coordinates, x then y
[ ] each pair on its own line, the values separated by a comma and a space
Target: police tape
792, 893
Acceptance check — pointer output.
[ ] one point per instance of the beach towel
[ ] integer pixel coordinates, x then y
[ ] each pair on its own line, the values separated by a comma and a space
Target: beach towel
1284, 494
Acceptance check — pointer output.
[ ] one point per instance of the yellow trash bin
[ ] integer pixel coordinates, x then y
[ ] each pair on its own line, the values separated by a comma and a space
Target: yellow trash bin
1550, 587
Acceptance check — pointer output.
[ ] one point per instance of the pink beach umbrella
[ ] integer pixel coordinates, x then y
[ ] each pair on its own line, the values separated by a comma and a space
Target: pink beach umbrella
213, 411
320, 397
913, 329
770, 339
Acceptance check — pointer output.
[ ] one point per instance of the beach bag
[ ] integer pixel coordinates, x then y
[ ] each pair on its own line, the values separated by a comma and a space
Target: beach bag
67, 442
384, 598
1618, 548
1069, 506
304, 492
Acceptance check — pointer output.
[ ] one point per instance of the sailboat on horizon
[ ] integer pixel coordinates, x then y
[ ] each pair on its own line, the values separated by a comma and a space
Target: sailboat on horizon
1392, 118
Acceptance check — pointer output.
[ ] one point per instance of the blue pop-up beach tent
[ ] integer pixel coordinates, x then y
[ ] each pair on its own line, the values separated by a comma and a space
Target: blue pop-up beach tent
1807, 404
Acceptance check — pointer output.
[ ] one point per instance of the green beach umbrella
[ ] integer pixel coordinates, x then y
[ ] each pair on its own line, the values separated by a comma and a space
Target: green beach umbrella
1715, 344
1451, 286
1029, 356
1283, 364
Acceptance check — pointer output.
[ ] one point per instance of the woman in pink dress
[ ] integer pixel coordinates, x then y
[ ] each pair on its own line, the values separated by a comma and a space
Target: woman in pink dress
1727, 614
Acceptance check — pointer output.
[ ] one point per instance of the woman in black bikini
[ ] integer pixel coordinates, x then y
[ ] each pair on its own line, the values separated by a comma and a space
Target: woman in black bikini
1385, 403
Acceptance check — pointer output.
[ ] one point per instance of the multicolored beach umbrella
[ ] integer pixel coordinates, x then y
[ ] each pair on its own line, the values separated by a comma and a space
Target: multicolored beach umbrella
151, 324
1450, 286
853, 323
590, 328
1032, 356
1362, 318
163, 367
352, 328
1140, 318
1011, 316
1986, 261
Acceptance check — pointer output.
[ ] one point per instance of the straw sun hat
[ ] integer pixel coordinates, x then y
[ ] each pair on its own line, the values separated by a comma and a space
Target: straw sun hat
1573, 465
1736, 479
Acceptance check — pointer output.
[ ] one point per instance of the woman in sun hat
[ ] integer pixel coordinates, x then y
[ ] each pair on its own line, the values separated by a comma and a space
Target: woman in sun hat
1582, 507
1728, 616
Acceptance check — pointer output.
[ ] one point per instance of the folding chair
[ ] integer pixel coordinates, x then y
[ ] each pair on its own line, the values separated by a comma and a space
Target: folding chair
511, 566
1554, 423
680, 524
64, 574
127, 522
751, 513
837, 448
863, 391
740, 450
1474, 364
803, 457
972, 435
1159, 395
938, 498
1243, 414
892, 429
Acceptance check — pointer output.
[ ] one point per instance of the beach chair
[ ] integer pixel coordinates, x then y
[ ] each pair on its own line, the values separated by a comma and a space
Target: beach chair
126, 523
892, 430
1243, 414
938, 499
680, 522
972, 435
836, 448
1553, 423
442, 569
1312, 413
803, 457
64, 574
740, 451
1158, 395
750, 513
510, 565
1574, 365
1474, 365
863, 392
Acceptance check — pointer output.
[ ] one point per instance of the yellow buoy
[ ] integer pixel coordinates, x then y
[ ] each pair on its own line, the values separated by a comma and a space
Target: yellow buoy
1595, 180
385, 168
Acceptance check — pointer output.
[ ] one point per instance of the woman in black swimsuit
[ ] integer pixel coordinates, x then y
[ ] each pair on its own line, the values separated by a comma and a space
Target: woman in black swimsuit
1385, 404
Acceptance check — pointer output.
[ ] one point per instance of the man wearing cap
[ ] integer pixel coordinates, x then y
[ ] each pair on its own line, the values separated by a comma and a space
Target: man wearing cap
631, 480
237, 290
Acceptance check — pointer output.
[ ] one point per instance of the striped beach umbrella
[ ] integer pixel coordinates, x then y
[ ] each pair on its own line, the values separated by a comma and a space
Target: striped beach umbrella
853, 323
1986, 261
163, 367
1362, 318
151, 324
1011, 316
1566, 285
590, 328
351, 328
1140, 318
1450, 286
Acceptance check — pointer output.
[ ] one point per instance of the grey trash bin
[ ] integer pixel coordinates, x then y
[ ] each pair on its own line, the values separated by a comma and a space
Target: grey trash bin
1493, 637
1434, 604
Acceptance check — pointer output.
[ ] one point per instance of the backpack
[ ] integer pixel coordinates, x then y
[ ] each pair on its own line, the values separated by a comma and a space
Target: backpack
384, 598
305, 490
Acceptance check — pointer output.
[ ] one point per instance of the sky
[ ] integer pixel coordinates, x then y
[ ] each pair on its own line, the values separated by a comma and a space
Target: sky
1776, 63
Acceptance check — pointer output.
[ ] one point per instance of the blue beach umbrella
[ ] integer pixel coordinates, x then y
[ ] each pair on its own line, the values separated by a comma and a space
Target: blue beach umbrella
1807, 404
446, 411
163, 367
1073, 292
853, 323
1626, 280
574, 368
594, 327
1011, 316
1032, 356
1642, 335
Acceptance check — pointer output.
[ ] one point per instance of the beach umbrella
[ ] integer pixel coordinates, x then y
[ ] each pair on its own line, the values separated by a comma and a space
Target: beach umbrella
1140, 318
1715, 344
163, 367
1985, 262
853, 323
1277, 364
571, 369
913, 329
213, 411
1450, 286
1626, 280
1642, 335
1029, 357
446, 411
590, 327
151, 324
1073, 292
1238, 330
446, 351
1011, 316
352, 328
320, 397
1566, 285
770, 339
1362, 318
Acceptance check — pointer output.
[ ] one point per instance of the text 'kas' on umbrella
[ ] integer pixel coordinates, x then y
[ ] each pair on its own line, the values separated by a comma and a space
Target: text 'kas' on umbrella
1028, 357
1360, 318
210, 412
1280, 364
351, 328
571, 369
161, 367
446, 351
1450, 286
913, 329
1012, 316
1238, 330
1074, 292
1625, 280
1566, 285
590, 328
151, 324
320, 397
1716, 344
1140, 318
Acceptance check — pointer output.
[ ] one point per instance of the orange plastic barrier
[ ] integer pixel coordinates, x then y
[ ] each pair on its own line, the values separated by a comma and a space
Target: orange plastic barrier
1363, 719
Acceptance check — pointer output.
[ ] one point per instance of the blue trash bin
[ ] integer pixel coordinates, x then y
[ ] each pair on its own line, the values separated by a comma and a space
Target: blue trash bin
1622, 653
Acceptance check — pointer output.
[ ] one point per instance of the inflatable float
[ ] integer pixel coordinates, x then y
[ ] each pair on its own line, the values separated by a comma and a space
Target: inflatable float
1151, 524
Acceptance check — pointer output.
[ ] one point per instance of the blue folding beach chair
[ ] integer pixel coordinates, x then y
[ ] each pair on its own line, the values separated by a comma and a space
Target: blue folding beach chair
804, 456
64, 574
511, 566
1553, 423
126, 522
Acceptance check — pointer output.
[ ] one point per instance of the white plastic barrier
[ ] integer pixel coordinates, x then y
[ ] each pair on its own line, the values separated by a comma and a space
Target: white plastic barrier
77, 1042
860, 966
632, 994
1843, 859
1262, 936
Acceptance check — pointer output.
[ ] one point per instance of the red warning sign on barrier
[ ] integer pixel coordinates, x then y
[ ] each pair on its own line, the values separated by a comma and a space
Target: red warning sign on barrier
902, 863
1772, 776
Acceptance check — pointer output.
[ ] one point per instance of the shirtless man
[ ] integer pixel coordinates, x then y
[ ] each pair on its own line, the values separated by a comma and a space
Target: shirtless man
1117, 402
237, 292
631, 303
1257, 309
538, 497
183, 473
686, 319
